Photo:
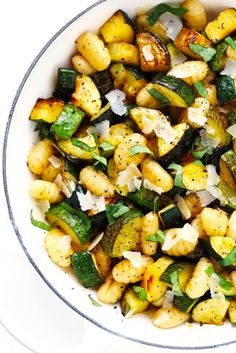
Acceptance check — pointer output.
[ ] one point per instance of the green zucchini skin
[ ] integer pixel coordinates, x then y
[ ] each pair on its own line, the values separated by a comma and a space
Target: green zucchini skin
76, 221
68, 122
232, 117
174, 267
177, 85
216, 155
83, 264
144, 198
184, 303
99, 221
44, 130
73, 200
217, 62
104, 81
104, 114
225, 88
65, 83
171, 216
183, 145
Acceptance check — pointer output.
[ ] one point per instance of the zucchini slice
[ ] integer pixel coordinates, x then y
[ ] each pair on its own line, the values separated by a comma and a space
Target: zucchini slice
170, 216
66, 79
71, 150
104, 114
131, 304
118, 72
216, 155
144, 197
103, 80
194, 176
46, 110
184, 303
219, 247
169, 152
84, 265
137, 114
68, 121
118, 28
179, 93
123, 234
134, 82
219, 122
73, 222
225, 88
222, 26
124, 53
154, 56
218, 62
228, 168
184, 271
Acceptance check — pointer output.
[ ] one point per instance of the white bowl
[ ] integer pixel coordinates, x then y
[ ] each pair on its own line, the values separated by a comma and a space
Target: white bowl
17, 179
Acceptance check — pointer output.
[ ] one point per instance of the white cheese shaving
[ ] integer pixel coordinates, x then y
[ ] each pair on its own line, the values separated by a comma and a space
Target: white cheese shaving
147, 53
182, 71
38, 214
168, 299
44, 206
116, 97
207, 140
196, 115
164, 130
177, 57
150, 186
187, 233
134, 184
209, 129
129, 314
213, 284
95, 241
148, 125
172, 23
212, 177
230, 68
205, 197
63, 244
128, 174
134, 257
63, 187
55, 162
215, 192
89, 201
161, 318
183, 207
232, 130
101, 129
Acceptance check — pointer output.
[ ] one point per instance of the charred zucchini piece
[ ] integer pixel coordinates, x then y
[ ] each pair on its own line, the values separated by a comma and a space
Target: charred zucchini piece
229, 195
187, 36
154, 56
86, 95
123, 234
131, 304
104, 114
73, 222
222, 26
170, 216
225, 87
118, 72
219, 247
145, 100
71, 150
218, 62
228, 168
184, 271
172, 151
84, 265
179, 93
158, 29
137, 114
103, 80
46, 110
144, 198
68, 121
194, 176
66, 79
134, 82
118, 28
99, 221
124, 53
218, 121
216, 155
184, 303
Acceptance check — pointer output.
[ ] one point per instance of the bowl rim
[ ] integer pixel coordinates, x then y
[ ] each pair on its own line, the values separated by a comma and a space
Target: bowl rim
11, 216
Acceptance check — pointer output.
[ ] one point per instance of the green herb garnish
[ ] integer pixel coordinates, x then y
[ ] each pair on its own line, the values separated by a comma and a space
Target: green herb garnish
157, 237
107, 147
209, 271
223, 283
175, 284
93, 301
136, 73
113, 212
39, 224
158, 10
229, 259
198, 162
206, 53
100, 159
141, 292
162, 99
200, 89
231, 42
139, 149
178, 181
78, 143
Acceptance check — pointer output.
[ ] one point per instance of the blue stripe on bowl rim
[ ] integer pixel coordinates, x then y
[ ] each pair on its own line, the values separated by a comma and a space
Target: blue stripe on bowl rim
14, 225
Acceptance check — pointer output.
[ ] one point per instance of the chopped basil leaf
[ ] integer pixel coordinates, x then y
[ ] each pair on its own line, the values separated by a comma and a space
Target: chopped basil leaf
139, 149
199, 150
229, 259
231, 42
78, 143
158, 10
93, 301
95, 136
209, 270
178, 181
222, 281
115, 211
175, 284
107, 147
100, 159
200, 89
39, 224
198, 162
206, 53
141, 292
157, 237
162, 99
136, 73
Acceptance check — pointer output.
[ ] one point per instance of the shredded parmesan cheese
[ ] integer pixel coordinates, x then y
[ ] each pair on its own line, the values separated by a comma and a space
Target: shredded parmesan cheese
134, 257
183, 207
116, 97
63, 187
134, 184
101, 129
150, 186
164, 130
230, 68
148, 125
63, 244
232, 130
95, 241
168, 300
187, 233
55, 162
212, 177
172, 24
205, 197
89, 201
147, 53
196, 115
128, 174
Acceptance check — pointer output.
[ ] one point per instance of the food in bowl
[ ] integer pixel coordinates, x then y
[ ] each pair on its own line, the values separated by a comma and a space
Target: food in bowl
135, 166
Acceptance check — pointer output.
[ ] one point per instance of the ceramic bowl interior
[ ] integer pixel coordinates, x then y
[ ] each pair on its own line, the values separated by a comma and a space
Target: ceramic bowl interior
19, 137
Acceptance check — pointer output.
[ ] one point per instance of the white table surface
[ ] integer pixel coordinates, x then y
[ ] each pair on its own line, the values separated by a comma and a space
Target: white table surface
28, 308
